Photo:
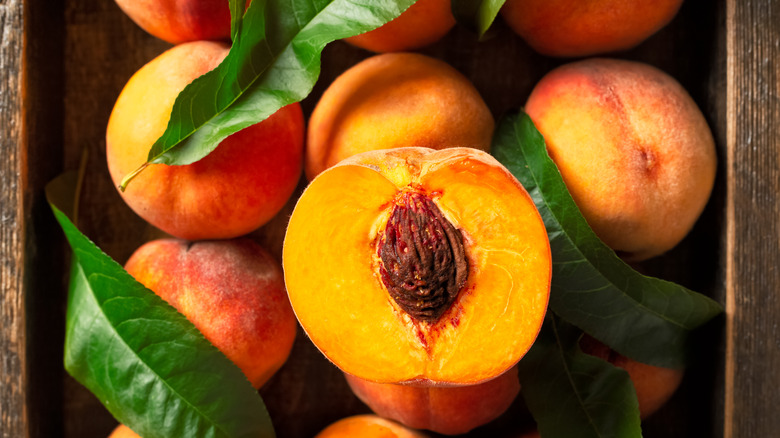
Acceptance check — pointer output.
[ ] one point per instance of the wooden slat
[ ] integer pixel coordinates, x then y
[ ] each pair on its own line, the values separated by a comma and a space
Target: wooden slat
32, 271
45, 256
753, 218
12, 316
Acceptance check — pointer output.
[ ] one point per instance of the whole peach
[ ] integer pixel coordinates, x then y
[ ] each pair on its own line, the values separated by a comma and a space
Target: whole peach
447, 410
654, 385
633, 148
237, 188
396, 100
569, 28
231, 290
367, 426
178, 21
123, 431
424, 23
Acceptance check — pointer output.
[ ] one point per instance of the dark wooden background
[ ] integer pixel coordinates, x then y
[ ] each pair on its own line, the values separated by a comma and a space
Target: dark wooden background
62, 64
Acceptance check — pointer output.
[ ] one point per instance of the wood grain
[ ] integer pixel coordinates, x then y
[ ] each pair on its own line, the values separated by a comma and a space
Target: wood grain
753, 217
30, 155
13, 403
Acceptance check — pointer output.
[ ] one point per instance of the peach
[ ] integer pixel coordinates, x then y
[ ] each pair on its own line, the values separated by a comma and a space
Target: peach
396, 100
123, 431
424, 23
237, 188
633, 148
178, 21
654, 385
445, 410
413, 265
367, 426
569, 28
231, 290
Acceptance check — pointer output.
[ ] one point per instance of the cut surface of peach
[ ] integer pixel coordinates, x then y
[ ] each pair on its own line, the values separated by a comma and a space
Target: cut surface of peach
342, 259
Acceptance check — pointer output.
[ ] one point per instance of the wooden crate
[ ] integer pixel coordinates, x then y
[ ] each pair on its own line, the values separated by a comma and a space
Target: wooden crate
62, 64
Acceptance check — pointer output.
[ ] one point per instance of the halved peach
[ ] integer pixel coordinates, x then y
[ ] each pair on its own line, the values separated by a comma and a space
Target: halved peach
415, 265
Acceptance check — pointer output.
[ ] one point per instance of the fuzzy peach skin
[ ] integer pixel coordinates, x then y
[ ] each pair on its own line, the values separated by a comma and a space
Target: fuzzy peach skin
367, 426
445, 410
569, 28
633, 148
231, 290
178, 21
237, 188
123, 431
654, 385
424, 23
396, 100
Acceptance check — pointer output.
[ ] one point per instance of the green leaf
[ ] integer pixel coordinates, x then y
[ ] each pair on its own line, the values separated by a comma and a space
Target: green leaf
237, 8
476, 15
149, 366
641, 317
274, 61
573, 394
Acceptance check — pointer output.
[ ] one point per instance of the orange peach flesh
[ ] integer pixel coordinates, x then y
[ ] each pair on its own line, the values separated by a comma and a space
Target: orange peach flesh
633, 148
367, 426
232, 291
342, 304
396, 100
219, 196
445, 410
573, 28
424, 23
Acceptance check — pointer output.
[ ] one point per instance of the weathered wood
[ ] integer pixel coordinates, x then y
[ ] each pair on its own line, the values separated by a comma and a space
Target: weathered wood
13, 402
30, 134
753, 218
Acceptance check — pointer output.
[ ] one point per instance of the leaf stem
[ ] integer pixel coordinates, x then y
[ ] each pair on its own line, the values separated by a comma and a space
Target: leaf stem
129, 177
